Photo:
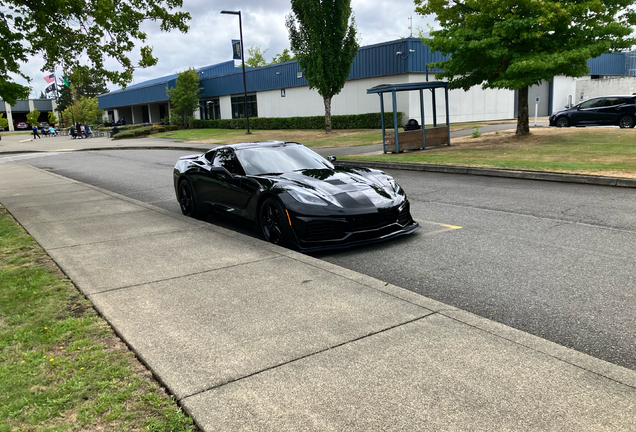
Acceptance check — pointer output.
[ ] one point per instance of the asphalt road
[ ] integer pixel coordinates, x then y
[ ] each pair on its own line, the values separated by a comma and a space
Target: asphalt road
556, 260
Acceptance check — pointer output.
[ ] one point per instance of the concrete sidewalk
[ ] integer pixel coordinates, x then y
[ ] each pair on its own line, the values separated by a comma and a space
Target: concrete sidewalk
250, 336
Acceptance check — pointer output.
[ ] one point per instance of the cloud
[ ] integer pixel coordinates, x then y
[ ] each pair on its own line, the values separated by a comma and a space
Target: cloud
209, 39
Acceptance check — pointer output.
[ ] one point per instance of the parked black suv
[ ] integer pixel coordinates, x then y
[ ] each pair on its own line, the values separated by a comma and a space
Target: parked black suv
605, 110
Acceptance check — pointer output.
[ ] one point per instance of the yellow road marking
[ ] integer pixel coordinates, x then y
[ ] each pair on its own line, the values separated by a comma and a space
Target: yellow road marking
453, 227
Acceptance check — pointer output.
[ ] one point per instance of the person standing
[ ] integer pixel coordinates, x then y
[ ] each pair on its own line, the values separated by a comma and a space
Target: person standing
86, 128
36, 133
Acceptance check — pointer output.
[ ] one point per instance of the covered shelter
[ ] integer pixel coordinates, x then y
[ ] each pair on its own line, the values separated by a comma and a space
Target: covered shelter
413, 139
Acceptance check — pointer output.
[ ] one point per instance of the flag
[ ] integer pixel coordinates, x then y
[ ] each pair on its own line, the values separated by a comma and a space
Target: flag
65, 80
50, 88
49, 78
236, 49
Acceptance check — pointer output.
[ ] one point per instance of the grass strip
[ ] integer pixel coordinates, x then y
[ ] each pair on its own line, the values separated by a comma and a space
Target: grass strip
61, 365
595, 151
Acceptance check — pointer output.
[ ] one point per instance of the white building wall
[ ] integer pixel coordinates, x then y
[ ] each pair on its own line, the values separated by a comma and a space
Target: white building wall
475, 104
542, 91
353, 99
225, 103
613, 85
564, 92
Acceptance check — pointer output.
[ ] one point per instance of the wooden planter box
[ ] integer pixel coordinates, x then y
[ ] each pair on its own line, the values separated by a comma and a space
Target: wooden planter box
412, 140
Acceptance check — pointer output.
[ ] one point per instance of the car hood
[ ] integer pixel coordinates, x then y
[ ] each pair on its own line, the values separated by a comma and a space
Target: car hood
350, 188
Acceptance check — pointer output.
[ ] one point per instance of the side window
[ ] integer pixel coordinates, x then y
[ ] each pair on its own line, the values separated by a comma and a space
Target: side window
593, 103
209, 155
227, 159
614, 101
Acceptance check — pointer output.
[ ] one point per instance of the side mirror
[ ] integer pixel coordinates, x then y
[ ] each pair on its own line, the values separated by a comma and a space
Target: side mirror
331, 158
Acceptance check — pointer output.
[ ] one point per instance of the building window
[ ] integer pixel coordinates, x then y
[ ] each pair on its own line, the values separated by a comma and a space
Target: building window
210, 109
238, 106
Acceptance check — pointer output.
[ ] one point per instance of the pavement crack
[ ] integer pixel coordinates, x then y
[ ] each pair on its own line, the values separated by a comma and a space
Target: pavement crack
181, 276
332, 347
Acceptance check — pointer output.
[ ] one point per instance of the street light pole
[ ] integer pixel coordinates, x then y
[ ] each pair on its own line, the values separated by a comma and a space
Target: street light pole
247, 114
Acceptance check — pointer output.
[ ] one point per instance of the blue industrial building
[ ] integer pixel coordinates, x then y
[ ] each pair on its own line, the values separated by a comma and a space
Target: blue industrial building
280, 90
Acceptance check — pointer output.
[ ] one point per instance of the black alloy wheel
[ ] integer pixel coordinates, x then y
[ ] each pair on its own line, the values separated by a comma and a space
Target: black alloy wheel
187, 200
272, 220
563, 122
626, 122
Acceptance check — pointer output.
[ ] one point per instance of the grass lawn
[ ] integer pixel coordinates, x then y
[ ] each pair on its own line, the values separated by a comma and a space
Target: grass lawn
310, 138
62, 366
596, 151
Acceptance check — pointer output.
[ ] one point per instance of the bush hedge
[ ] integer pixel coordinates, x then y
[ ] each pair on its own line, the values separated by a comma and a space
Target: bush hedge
354, 121
124, 134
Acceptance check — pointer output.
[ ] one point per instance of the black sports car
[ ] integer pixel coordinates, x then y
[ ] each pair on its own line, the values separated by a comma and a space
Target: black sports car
296, 197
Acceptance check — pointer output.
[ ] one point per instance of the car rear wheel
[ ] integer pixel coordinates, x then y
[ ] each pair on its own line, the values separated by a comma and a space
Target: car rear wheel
188, 200
563, 122
626, 122
272, 221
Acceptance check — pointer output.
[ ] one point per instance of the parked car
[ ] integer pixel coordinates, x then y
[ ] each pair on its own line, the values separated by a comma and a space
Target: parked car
600, 111
295, 196
44, 125
21, 125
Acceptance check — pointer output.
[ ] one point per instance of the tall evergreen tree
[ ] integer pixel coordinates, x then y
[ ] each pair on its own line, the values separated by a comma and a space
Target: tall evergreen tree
323, 39
514, 44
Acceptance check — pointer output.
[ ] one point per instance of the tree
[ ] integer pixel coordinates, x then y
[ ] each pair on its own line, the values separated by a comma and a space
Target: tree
282, 57
33, 118
52, 118
184, 98
68, 33
4, 123
323, 39
83, 109
255, 58
85, 83
514, 44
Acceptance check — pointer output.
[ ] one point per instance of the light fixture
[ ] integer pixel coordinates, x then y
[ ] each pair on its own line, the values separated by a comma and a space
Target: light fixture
398, 53
411, 50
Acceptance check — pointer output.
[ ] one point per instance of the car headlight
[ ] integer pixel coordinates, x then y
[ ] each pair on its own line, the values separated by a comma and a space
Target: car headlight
394, 185
311, 197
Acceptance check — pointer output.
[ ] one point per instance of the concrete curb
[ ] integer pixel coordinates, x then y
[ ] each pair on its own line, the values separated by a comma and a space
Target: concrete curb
526, 175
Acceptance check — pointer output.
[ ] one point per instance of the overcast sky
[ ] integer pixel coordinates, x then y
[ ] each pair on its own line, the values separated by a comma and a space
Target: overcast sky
208, 40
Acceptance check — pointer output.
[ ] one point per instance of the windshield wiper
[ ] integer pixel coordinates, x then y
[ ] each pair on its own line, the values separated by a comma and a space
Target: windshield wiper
268, 174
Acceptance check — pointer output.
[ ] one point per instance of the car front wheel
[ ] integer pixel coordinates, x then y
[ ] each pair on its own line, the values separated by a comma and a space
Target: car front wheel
272, 220
626, 122
188, 200
563, 122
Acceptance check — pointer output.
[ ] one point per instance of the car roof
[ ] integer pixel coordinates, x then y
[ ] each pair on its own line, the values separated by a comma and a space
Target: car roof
259, 144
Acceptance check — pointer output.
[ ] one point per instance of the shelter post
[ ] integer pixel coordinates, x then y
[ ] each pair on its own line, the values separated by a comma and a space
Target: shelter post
422, 117
395, 123
382, 120
447, 114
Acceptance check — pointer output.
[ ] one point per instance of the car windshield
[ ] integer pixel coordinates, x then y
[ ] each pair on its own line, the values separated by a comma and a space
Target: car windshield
280, 159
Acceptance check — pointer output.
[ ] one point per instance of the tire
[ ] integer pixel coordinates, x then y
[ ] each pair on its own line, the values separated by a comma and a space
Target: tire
562, 122
188, 200
272, 222
626, 122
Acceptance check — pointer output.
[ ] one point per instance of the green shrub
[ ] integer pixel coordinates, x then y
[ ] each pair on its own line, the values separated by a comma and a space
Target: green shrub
124, 134
160, 128
353, 121
476, 133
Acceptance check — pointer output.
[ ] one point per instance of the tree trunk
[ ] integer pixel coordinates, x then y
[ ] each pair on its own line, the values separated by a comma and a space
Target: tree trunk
523, 126
327, 100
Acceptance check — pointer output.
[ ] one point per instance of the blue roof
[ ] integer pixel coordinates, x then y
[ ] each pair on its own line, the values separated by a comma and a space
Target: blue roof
408, 55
